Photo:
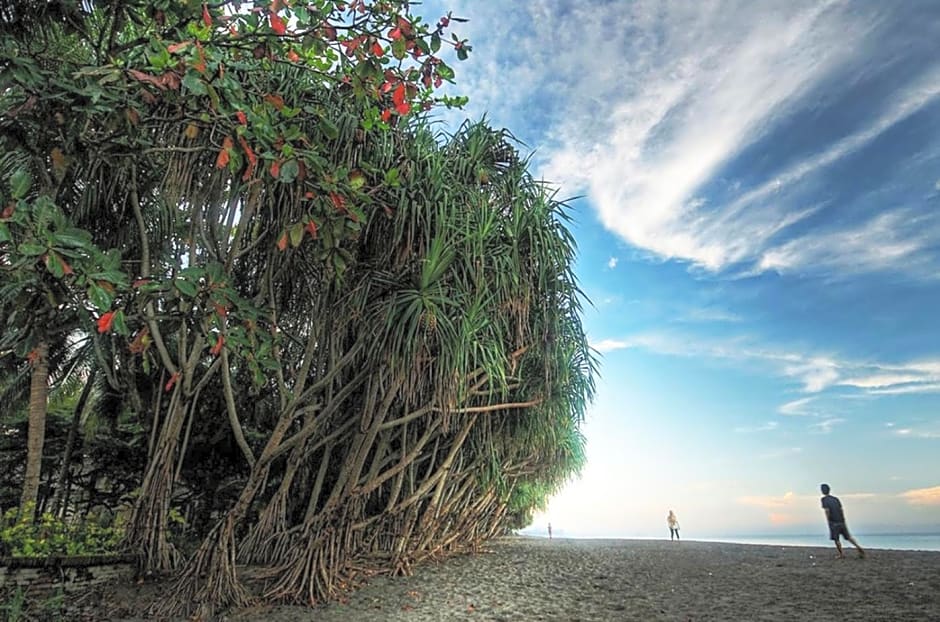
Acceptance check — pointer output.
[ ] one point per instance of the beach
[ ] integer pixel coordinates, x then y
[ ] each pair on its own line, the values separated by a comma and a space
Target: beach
517, 579
521, 579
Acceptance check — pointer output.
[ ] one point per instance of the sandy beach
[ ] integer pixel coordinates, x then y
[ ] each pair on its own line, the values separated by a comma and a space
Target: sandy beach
520, 579
538, 579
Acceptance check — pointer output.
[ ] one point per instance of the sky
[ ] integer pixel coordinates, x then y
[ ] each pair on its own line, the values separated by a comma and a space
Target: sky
756, 189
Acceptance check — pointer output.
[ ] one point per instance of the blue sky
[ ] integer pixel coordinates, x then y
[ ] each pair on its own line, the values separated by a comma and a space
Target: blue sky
759, 235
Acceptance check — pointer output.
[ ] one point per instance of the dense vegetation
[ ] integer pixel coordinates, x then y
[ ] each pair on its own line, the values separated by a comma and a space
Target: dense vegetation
257, 310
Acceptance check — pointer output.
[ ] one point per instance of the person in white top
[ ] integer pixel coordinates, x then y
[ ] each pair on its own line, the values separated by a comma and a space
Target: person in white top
673, 523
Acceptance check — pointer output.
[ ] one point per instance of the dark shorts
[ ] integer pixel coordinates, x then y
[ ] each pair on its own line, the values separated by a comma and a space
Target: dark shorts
838, 529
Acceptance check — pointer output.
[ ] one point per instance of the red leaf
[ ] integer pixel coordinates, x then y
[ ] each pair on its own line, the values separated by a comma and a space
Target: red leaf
403, 109
352, 45
398, 97
222, 160
140, 282
282, 242
275, 168
293, 57
395, 34
149, 79
177, 47
217, 348
221, 310
311, 228
377, 49
66, 268
275, 100
33, 356
105, 322
171, 381
386, 115
277, 24
241, 117
200, 63
8, 211
206, 18
338, 201
405, 25
252, 158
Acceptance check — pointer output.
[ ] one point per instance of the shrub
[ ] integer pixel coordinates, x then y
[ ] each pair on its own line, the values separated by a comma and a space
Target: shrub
20, 536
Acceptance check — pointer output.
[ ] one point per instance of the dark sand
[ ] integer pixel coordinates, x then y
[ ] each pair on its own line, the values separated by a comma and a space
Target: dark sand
522, 579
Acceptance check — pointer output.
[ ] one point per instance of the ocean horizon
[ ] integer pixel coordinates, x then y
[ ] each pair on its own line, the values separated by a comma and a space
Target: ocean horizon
890, 541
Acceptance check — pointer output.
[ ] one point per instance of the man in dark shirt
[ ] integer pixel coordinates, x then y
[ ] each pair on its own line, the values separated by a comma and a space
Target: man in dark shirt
836, 518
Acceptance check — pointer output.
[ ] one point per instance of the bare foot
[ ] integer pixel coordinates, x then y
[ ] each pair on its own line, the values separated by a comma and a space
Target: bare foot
861, 554
840, 556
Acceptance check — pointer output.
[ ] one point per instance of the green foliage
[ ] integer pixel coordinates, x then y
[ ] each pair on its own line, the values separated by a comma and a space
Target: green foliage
20, 536
15, 605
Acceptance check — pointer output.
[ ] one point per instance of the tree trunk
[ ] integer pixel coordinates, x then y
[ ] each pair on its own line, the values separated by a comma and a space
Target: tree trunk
59, 497
38, 399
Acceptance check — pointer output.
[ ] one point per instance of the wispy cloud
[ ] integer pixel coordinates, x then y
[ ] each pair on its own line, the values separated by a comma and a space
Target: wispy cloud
611, 345
826, 425
814, 372
922, 496
911, 432
768, 426
797, 407
648, 138
709, 314
612, 262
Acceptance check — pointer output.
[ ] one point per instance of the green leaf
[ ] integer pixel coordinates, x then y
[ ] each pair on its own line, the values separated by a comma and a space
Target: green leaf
19, 183
100, 297
111, 276
187, 288
391, 177
296, 234
54, 266
5, 233
289, 171
72, 237
435, 43
329, 128
31, 249
120, 324
193, 83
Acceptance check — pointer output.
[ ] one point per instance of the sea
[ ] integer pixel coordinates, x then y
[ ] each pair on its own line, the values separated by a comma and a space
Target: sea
896, 541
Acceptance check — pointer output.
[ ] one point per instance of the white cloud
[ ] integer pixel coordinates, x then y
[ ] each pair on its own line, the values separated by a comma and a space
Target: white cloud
611, 345
612, 262
710, 314
891, 240
797, 407
922, 496
825, 426
814, 372
690, 85
768, 426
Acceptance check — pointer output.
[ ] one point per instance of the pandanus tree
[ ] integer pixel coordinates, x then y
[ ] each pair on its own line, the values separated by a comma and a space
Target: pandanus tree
384, 318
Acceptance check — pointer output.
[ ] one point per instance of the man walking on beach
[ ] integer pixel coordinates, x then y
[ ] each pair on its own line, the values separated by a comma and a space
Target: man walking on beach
836, 518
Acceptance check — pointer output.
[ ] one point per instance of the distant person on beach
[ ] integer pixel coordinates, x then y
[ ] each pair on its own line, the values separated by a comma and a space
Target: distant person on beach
836, 519
673, 523
549, 531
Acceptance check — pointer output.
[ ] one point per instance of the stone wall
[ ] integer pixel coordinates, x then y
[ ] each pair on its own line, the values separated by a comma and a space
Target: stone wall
40, 575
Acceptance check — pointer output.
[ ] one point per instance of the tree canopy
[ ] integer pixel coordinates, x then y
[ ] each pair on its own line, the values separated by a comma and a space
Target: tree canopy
334, 337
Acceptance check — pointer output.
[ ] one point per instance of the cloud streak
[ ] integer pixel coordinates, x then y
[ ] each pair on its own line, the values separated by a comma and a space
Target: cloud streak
688, 90
813, 372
